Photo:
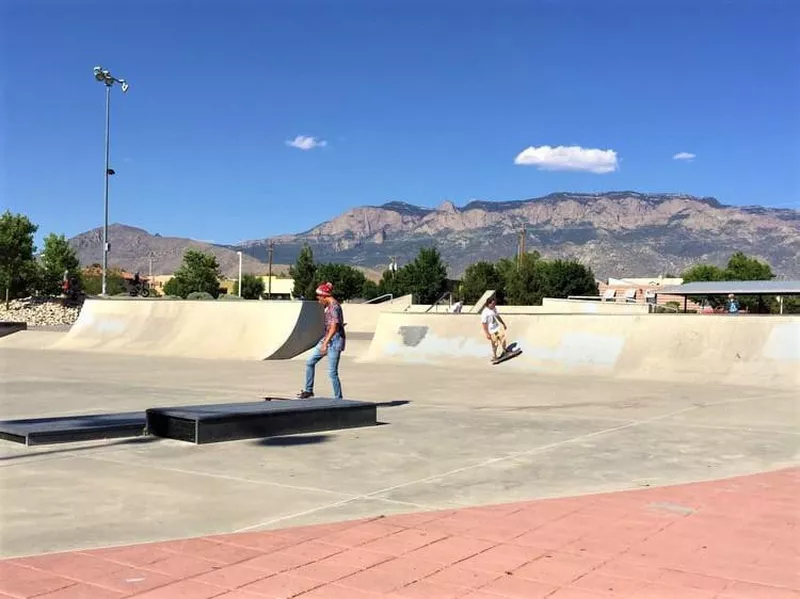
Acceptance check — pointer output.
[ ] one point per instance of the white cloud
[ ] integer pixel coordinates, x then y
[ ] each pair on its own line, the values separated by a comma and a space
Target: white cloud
568, 158
683, 156
306, 142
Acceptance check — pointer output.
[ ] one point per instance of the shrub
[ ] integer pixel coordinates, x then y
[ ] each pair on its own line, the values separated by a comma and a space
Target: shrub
199, 295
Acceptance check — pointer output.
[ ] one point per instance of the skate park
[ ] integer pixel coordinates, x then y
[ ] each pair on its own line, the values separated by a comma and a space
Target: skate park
597, 403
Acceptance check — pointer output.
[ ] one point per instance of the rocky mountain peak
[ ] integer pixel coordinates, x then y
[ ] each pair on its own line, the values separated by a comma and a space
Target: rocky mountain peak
447, 206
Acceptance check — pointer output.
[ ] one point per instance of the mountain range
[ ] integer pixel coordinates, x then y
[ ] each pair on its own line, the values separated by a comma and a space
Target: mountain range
618, 234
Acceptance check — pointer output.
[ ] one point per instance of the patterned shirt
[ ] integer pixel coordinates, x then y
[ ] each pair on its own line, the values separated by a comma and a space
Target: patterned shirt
335, 315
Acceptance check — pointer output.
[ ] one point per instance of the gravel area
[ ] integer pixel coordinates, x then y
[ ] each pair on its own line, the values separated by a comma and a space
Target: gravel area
39, 312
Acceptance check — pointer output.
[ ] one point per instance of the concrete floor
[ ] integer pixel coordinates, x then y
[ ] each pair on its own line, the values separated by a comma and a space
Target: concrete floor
464, 438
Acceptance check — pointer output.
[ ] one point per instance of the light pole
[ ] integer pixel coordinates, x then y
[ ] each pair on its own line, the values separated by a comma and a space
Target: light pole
240, 273
269, 283
104, 76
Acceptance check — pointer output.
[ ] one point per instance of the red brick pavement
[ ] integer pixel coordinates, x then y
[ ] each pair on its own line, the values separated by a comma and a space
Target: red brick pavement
729, 539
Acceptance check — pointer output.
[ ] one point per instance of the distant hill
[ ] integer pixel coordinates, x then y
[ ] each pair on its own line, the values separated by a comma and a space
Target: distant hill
621, 234
131, 248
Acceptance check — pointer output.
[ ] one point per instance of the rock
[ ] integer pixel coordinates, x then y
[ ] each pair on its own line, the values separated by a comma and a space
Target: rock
38, 312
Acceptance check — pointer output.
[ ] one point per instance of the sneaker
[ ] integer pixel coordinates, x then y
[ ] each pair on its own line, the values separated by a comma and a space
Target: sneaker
305, 394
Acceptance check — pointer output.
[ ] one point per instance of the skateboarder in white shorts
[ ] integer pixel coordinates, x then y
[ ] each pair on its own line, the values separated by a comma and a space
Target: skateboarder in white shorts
491, 322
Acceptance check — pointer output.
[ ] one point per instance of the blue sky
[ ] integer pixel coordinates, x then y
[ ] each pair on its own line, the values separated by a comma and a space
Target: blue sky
418, 101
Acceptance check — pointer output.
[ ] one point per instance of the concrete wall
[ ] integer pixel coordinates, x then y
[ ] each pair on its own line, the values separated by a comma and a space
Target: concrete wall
549, 306
759, 351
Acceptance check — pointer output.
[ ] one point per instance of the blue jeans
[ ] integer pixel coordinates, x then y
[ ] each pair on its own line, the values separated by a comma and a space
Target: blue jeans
334, 353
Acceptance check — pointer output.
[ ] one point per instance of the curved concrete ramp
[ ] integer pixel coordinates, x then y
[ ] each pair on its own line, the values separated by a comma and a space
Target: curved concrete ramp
742, 350
36, 339
229, 330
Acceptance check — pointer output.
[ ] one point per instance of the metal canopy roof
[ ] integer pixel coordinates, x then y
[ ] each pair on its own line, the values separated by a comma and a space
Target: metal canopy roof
737, 287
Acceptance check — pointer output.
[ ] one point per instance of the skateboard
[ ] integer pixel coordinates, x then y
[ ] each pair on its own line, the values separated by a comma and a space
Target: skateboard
507, 356
270, 398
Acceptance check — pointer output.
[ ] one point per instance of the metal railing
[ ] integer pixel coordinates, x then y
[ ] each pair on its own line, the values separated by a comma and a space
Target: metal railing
446, 294
585, 297
380, 297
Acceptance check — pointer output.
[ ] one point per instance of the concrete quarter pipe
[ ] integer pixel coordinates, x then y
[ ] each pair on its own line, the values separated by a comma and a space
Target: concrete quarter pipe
758, 351
232, 330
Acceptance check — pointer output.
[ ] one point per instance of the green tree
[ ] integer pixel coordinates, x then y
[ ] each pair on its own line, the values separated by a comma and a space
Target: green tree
426, 276
703, 272
92, 281
173, 287
393, 282
506, 268
744, 268
568, 277
369, 290
304, 273
791, 304
199, 272
57, 258
348, 282
18, 269
526, 282
252, 286
478, 278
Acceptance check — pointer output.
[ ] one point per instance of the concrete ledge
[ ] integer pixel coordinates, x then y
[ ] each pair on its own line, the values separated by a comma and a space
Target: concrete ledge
69, 429
7, 327
228, 422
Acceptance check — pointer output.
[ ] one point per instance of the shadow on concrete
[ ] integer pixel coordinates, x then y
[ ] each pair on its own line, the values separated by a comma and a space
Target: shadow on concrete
392, 404
122, 442
292, 440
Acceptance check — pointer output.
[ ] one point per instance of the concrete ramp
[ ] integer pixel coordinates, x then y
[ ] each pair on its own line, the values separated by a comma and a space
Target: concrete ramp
481, 303
757, 351
241, 330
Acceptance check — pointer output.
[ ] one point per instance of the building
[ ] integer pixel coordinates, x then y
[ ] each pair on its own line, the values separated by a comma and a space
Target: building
644, 290
157, 283
278, 289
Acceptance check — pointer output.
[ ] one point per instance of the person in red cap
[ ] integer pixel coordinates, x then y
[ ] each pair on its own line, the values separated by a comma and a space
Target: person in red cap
332, 343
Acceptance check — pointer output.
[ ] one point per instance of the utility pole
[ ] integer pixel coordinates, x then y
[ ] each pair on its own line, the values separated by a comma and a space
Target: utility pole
521, 246
150, 270
271, 246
